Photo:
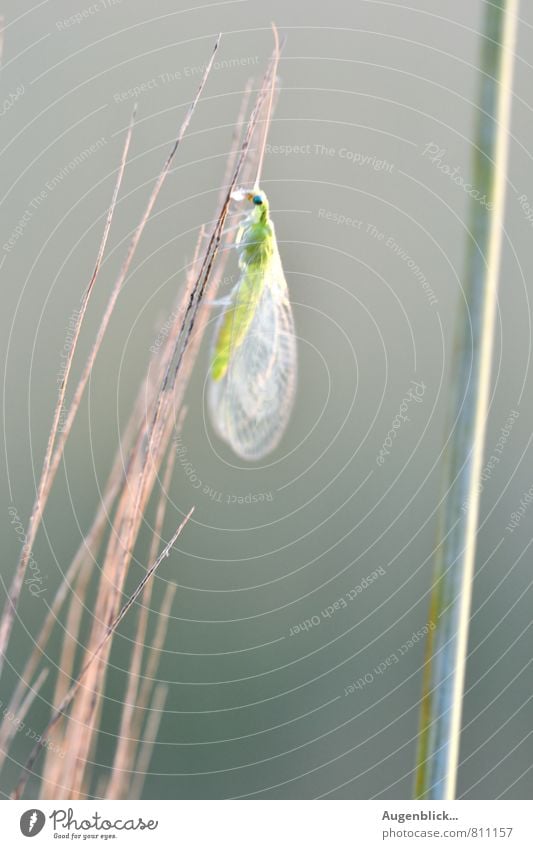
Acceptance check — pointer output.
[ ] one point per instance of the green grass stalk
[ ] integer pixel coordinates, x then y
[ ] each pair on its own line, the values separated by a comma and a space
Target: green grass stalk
439, 737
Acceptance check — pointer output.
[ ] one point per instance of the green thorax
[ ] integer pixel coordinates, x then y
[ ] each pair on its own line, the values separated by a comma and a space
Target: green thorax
255, 244
255, 241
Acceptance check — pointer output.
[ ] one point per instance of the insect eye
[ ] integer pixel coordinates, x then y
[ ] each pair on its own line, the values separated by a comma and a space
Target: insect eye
257, 199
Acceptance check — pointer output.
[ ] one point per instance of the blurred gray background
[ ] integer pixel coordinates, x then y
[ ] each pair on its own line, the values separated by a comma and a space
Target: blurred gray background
366, 88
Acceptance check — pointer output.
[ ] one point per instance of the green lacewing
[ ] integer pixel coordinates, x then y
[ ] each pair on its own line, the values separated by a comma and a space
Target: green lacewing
252, 379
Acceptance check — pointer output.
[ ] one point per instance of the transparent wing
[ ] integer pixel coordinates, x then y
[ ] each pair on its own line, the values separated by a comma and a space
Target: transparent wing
251, 405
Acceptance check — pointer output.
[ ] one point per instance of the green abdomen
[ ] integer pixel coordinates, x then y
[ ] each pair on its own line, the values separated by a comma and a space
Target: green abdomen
256, 253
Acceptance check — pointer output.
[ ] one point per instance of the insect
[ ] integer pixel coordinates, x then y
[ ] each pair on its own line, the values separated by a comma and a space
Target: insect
252, 380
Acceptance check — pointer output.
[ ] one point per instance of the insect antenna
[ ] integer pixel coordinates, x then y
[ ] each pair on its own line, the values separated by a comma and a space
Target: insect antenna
268, 118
